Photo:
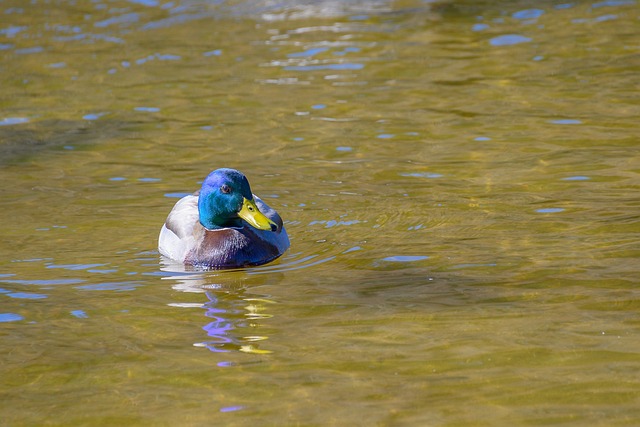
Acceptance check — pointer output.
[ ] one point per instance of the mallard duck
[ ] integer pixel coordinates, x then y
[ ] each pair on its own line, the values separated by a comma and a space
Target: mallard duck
223, 225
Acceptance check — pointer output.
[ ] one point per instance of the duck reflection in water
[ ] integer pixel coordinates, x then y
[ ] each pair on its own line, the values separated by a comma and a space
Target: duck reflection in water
225, 331
233, 311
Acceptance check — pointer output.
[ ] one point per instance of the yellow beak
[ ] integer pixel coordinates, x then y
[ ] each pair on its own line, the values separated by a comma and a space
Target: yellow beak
254, 217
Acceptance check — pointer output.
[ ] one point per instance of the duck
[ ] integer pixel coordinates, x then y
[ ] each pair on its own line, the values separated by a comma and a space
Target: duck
223, 225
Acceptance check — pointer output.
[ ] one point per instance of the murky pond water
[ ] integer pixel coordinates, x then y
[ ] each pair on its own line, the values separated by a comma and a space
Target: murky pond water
459, 181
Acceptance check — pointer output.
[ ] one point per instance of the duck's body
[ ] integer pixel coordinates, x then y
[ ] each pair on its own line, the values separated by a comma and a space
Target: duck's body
223, 225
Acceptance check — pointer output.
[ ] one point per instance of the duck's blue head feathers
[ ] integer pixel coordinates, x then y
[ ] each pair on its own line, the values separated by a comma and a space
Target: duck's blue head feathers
226, 199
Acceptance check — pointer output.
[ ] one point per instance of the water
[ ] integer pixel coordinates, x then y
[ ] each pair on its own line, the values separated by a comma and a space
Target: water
459, 181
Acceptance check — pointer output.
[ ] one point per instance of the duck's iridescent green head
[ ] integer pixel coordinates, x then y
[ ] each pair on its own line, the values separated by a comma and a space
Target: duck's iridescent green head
226, 199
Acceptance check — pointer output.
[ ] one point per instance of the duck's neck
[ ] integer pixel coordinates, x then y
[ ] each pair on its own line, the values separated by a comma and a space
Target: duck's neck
211, 225
212, 218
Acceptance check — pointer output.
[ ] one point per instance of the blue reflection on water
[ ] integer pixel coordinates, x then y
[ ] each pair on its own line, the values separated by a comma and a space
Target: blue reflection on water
219, 328
80, 314
550, 210
508, 40
216, 52
13, 121
149, 3
349, 49
94, 116
336, 67
353, 249
231, 408
405, 258
421, 174
334, 223
12, 30
528, 14
22, 295
603, 18
158, 56
576, 178
566, 122
26, 295
49, 228
29, 50
10, 317
147, 109
127, 18
102, 270
309, 52
613, 3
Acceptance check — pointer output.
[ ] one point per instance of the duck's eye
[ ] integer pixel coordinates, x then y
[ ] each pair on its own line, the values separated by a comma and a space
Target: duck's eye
225, 189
